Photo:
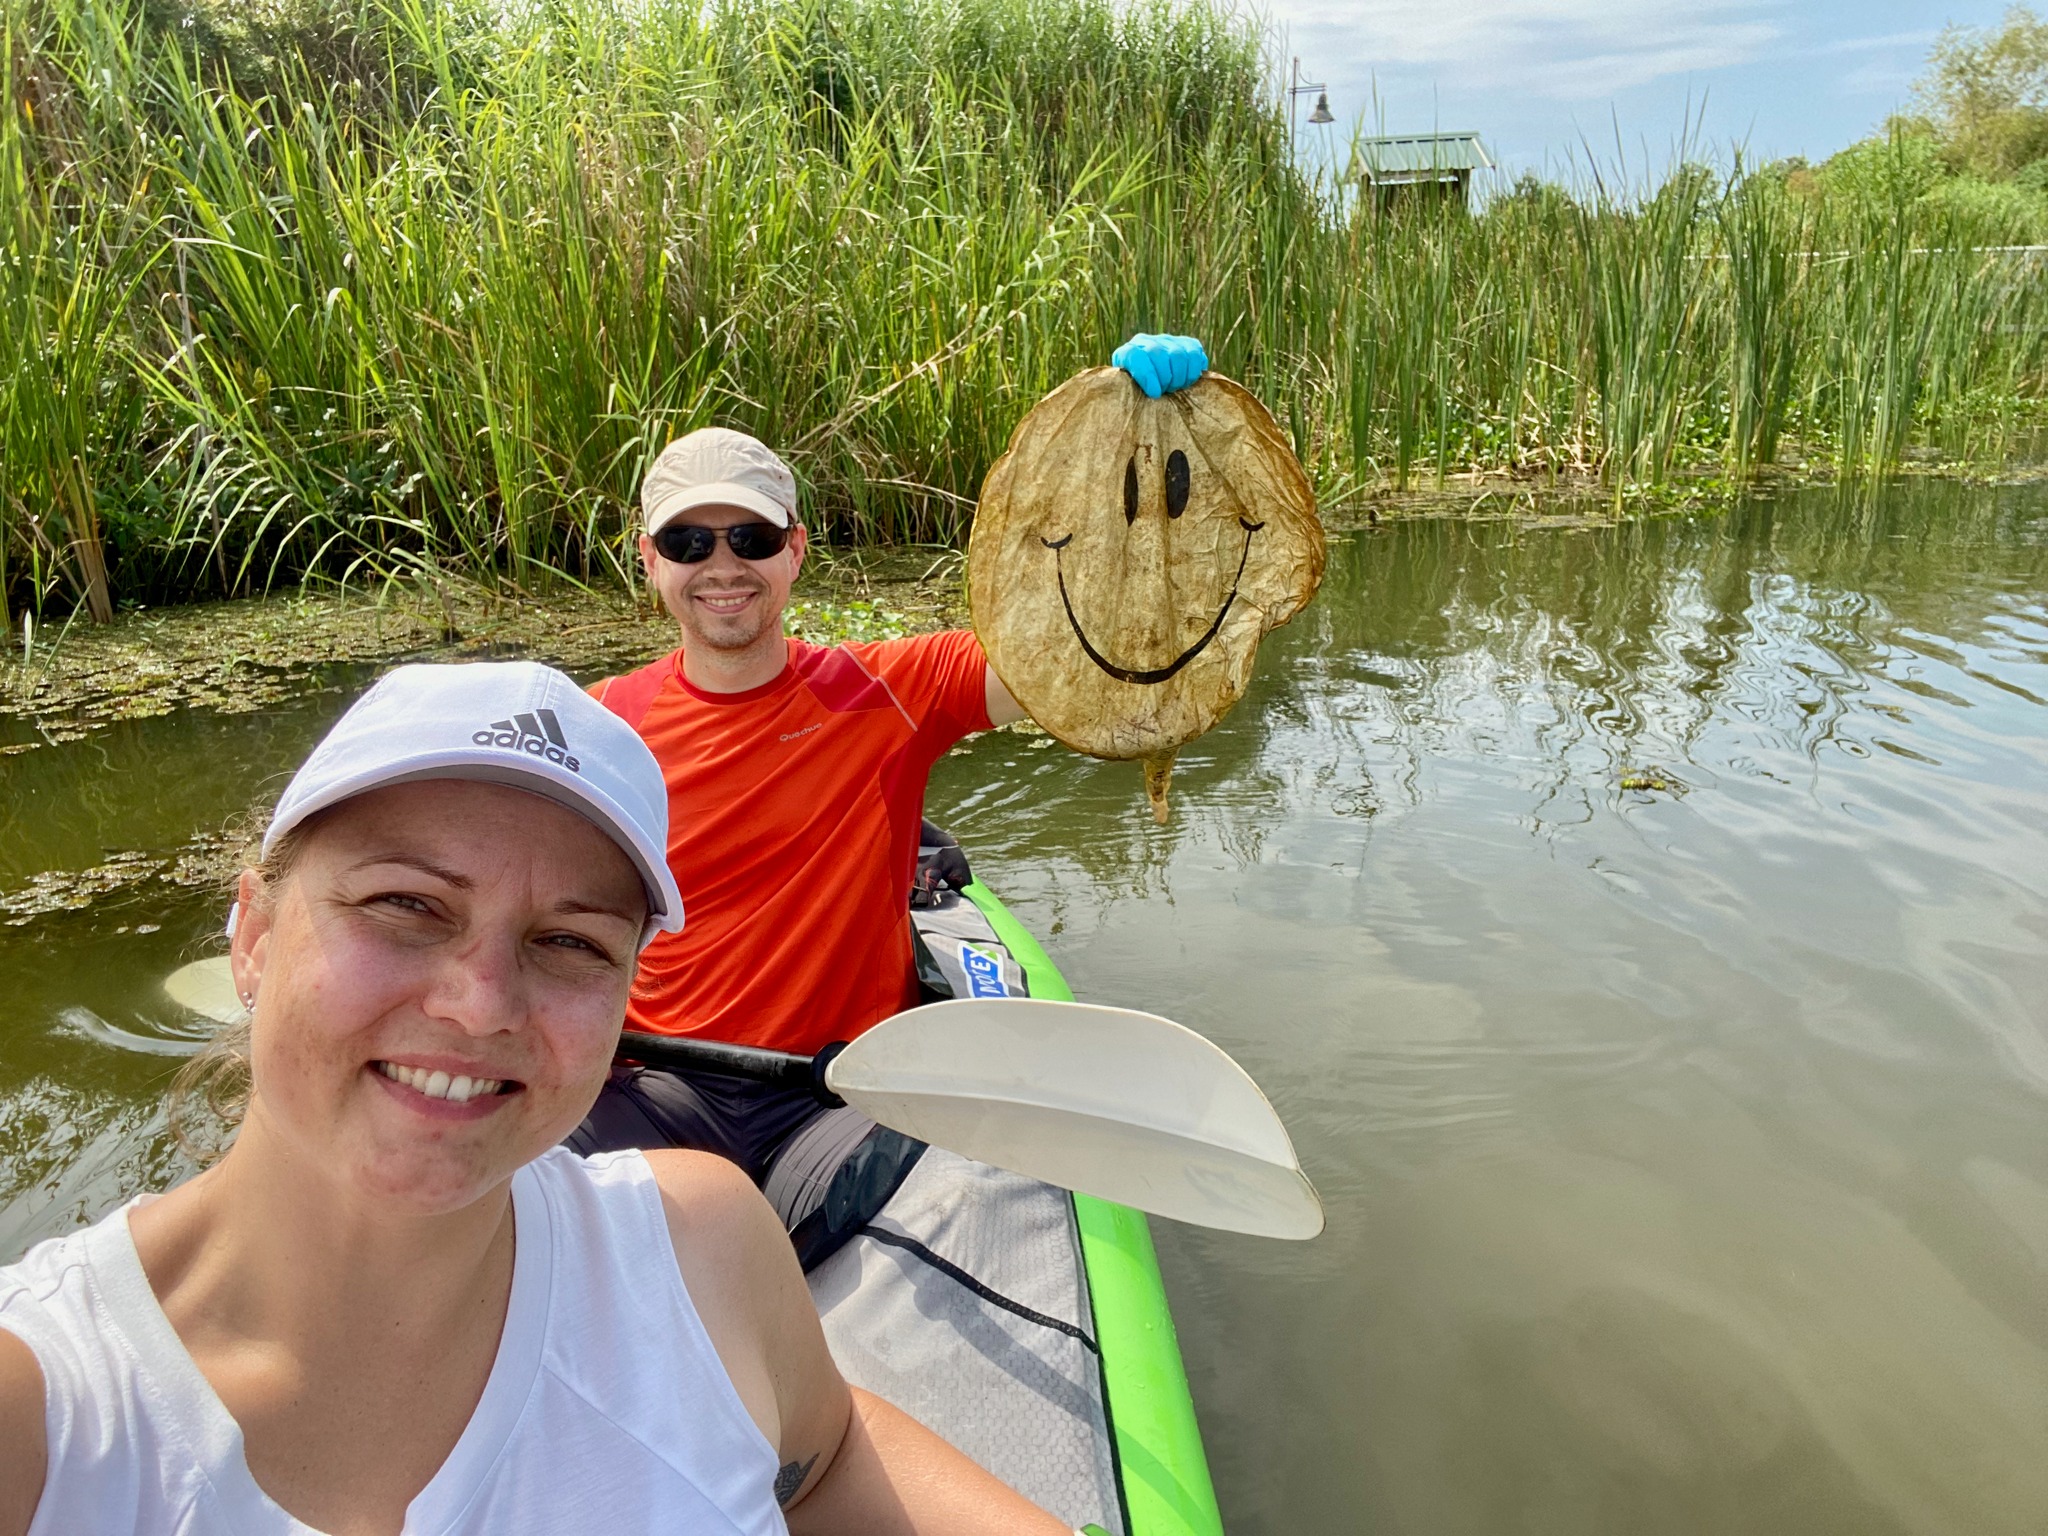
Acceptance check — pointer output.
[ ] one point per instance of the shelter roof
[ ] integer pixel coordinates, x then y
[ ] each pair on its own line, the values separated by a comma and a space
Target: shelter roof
1414, 156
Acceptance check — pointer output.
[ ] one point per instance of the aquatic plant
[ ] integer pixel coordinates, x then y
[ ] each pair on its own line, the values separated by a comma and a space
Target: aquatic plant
394, 287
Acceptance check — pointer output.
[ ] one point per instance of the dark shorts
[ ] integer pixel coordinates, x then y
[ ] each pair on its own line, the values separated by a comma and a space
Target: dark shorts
826, 1171
743, 1121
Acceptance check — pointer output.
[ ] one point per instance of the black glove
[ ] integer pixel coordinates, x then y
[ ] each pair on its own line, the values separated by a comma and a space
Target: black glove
940, 860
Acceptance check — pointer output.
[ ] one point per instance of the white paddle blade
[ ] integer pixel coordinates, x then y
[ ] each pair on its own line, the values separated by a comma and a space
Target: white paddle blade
207, 987
1122, 1105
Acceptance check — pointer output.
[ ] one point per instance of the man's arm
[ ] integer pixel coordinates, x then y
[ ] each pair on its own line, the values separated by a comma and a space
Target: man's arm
23, 1449
1002, 708
849, 1462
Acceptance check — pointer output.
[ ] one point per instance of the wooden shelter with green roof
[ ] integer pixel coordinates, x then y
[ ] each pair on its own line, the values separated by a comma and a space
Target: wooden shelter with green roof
1429, 164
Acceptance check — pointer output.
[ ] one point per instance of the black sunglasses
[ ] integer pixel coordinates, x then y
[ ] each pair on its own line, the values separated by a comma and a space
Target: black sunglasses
687, 544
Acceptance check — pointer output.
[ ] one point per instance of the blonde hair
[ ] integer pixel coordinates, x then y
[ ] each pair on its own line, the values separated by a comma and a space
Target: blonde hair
209, 1094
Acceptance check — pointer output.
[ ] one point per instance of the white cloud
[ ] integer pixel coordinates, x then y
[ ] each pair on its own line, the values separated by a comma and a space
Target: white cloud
1564, 49
1890, 42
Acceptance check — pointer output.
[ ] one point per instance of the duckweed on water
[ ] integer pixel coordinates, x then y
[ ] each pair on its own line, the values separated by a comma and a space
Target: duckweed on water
245, 656
236, 657
205, 860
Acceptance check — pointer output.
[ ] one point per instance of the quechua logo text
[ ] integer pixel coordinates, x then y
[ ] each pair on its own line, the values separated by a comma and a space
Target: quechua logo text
535, 732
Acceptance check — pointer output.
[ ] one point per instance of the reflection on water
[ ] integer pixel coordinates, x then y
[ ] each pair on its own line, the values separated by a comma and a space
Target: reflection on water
131, 817
1644, 931
1686, 1147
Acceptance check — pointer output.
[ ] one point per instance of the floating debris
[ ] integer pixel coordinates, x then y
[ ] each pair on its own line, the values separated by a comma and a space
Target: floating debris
1655, 780
206, 859
1129, 554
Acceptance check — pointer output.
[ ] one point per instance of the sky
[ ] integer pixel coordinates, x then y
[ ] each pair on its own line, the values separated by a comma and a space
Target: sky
1548, 82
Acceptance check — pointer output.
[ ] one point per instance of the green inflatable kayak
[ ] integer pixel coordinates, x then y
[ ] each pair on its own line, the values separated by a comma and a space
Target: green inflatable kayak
1025, 1324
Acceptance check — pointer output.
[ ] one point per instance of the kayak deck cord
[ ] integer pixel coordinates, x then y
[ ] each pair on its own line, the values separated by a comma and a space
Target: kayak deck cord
993, 1297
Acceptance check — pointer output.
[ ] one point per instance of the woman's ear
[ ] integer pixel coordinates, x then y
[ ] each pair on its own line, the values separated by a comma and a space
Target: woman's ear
251, 941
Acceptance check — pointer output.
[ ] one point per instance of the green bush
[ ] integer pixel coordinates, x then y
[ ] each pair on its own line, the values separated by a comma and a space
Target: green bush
1996, 212
1898, 166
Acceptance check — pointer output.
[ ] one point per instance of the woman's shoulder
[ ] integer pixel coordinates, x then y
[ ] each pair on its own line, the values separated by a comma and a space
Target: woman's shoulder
707, 1197
50, 1299
674, 1173
24, 1450
44, 1267
699, 1212
693, 1198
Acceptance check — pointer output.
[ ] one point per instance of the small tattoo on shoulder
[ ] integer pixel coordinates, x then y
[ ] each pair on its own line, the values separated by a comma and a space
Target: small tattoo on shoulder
791, 1478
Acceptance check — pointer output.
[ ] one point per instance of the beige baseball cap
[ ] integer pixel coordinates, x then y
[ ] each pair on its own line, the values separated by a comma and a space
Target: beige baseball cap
716, 466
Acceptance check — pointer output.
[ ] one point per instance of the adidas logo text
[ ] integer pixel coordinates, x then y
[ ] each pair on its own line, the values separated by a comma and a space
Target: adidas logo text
538, 734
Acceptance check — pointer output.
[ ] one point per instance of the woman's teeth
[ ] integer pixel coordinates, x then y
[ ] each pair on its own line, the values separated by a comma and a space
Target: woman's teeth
439, 1085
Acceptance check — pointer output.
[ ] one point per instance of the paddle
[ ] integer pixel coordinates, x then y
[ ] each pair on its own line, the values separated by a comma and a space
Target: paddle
1122, 1105
1115, 1103
207, 988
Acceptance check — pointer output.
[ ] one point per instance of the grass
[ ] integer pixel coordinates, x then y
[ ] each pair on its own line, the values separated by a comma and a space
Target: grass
402, 287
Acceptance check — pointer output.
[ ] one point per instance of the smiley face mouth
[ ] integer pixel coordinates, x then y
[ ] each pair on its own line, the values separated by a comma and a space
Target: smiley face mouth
1148, 674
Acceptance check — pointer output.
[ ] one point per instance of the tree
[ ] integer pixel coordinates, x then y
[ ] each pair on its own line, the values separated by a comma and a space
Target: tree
1986, 94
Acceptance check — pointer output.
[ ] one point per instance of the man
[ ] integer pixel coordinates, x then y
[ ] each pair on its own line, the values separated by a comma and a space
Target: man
796, 777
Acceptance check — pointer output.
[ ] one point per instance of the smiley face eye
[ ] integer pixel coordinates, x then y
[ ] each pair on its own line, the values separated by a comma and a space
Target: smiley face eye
1131, 489
1176, 483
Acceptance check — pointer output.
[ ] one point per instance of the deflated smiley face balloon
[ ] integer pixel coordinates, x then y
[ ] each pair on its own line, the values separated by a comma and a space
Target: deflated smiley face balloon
1128, 555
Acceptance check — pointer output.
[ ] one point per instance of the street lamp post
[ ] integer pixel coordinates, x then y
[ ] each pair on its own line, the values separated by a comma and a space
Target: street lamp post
1320, 114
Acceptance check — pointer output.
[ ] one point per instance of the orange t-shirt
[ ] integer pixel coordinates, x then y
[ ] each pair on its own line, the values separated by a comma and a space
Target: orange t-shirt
793, 825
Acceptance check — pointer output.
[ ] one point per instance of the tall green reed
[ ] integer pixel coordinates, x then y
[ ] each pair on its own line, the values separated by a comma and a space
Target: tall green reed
1765, 238
422, 284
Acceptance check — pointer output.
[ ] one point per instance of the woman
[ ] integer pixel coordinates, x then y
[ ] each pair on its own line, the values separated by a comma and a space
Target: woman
394, 1305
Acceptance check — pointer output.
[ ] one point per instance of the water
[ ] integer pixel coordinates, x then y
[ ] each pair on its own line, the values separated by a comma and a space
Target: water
1685, 1148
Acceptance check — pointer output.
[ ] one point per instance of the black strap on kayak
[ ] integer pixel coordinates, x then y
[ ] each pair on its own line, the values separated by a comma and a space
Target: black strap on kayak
996, 1298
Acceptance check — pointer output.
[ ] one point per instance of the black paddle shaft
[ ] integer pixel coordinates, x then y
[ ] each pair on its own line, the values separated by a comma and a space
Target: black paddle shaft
684, 1053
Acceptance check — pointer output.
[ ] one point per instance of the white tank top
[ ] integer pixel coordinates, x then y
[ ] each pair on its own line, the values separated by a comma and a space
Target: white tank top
607, 1408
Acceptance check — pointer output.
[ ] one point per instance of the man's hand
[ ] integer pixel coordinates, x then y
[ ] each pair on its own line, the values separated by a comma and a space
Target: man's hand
1161, 364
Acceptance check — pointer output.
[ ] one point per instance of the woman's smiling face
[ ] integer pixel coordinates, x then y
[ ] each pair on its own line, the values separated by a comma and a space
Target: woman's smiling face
439, 982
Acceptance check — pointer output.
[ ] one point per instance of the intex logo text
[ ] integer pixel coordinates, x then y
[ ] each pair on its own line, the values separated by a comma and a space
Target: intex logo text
539, 734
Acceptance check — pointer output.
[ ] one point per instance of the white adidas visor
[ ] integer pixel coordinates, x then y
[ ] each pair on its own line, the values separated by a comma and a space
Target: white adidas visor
516, 723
